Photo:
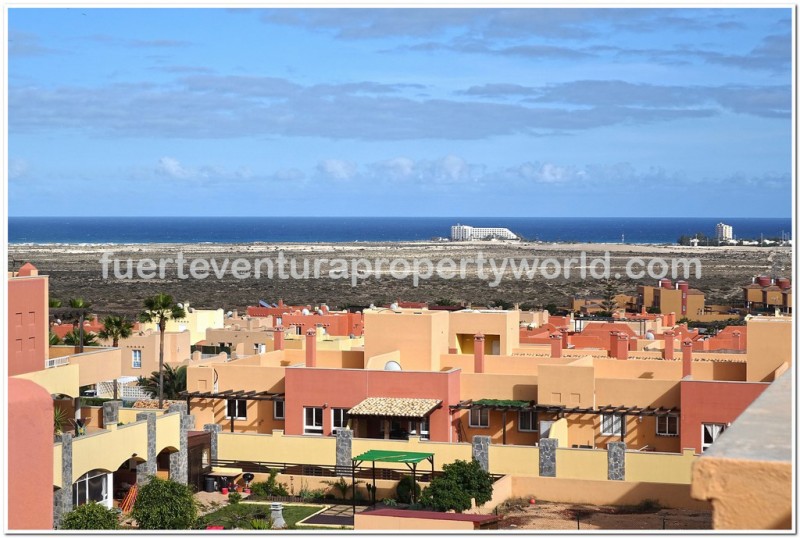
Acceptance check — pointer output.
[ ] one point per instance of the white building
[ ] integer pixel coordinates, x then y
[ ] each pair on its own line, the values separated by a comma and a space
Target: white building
460, 232
724, 232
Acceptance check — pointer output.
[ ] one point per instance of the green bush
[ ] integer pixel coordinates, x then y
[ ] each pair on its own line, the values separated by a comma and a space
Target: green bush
91, 516
460, 483
165, 505
270, 487
404, 490
234, 497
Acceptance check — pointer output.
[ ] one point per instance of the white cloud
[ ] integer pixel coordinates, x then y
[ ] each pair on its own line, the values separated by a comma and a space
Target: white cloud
17, 168
338, 169
173, 168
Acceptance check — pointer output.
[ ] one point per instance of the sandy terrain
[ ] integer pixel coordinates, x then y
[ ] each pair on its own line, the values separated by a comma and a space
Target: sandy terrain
561, 516
75, 271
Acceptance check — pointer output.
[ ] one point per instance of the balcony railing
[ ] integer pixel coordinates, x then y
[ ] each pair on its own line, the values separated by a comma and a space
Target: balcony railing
56, 362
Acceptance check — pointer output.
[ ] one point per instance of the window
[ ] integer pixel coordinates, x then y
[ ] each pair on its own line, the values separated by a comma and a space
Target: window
479, 418
339, 418
237, 409
528, 421
612, 425
136, 354
313, 421
278, 410
711, 433
93, 486
424, 427
667, 426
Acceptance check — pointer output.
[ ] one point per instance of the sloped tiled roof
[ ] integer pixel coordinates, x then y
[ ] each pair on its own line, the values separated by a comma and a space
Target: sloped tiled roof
395, 407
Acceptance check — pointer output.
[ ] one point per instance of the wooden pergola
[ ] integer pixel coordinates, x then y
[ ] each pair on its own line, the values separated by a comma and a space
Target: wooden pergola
232, 395
522, 405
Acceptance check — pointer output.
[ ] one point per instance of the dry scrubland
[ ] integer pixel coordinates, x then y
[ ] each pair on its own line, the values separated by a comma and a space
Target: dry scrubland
75, 271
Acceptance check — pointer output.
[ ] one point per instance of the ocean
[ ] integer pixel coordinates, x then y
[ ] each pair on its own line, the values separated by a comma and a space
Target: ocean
116, 230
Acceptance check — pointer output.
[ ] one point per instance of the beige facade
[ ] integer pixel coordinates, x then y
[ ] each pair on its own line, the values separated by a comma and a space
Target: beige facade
195, 323
139, 352
500, 329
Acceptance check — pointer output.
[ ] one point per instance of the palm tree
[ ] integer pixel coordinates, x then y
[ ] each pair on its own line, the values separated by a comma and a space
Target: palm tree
159, 309
81, 306
114, 328
174, 382
76, 337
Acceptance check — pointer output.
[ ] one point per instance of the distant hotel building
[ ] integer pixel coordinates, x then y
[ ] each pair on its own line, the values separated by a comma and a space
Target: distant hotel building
460, 232
724, 232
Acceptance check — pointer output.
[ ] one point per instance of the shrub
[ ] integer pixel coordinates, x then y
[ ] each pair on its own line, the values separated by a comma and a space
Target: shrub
90, 516
460, 483
164, 504
270, 487
234, 497
261, 524
404, 490
389, 502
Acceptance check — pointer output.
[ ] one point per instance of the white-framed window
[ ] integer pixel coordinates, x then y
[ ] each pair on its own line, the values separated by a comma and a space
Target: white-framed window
711, 432
612, 424
528, 421
136, 358
237, 409
479, 418
93, 486
312, 420
278, 409
339, 418
667, 426
424, 427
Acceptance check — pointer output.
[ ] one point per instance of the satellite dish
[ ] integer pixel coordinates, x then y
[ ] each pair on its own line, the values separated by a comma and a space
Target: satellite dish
392, 366
394, 306
372, 306
58, 322
180, 305
229, 314
305, 312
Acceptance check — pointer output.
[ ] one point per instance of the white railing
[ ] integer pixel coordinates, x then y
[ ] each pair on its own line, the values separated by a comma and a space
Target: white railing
126, 391
56, 362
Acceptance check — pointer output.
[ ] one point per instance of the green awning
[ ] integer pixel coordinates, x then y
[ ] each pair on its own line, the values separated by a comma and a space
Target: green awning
393, 456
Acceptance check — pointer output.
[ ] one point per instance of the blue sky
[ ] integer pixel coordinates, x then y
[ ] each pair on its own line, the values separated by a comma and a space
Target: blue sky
408, 112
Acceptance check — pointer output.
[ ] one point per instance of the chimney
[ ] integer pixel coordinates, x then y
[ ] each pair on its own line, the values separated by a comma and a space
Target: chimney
612, 347
280, 303
737, 340
622, 347
555, 346
686, 347
669, 345
311, 348
277, 339
479, 353
565, 338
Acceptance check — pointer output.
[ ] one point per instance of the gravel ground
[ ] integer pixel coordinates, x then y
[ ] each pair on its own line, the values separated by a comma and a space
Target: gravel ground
562, 516
75, 271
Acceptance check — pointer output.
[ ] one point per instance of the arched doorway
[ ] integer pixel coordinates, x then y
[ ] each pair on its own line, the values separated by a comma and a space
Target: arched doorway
162, 462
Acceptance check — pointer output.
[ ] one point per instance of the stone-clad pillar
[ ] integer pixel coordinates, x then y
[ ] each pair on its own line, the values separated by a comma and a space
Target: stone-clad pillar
214, 429
146, 470
616, 461
547, 457
179, 461
110, 413
62, 499
344, 452
480, 450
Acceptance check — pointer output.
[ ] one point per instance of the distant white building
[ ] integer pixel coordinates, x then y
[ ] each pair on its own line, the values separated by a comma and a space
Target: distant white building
459, 232
724, 232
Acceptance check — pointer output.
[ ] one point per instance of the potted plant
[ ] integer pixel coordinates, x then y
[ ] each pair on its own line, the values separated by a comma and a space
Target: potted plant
59, 420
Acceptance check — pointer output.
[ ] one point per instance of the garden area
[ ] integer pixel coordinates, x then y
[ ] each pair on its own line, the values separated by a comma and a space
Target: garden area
167, 505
